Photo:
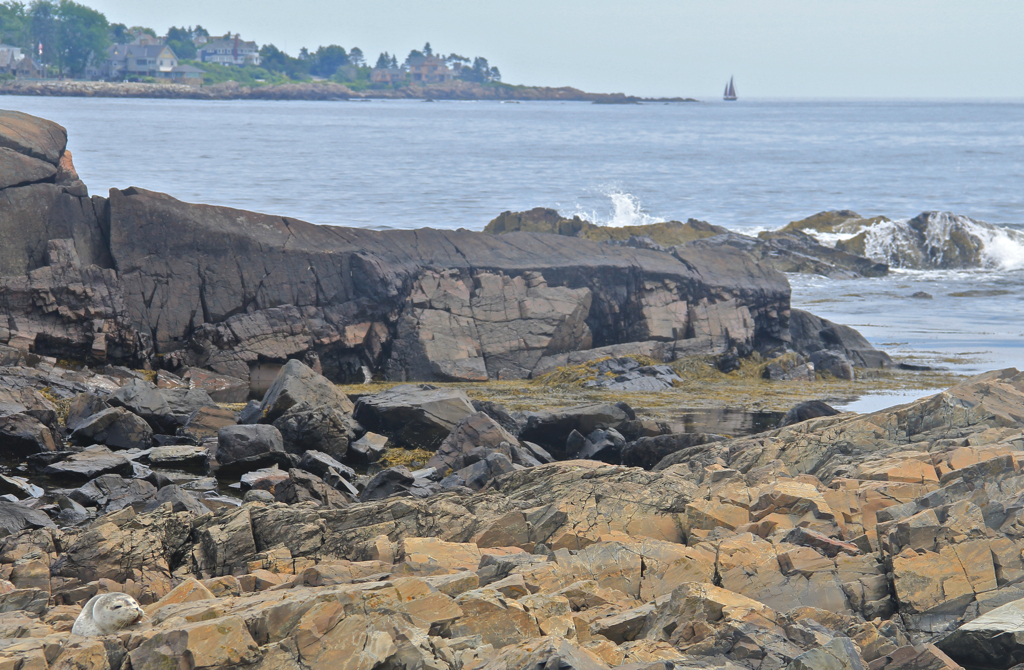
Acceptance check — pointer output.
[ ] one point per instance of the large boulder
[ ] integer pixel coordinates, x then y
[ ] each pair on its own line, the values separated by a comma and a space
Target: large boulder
324, 428
15, 517
993, 640
245, 444
809, 334
297, 384
115, 427
21, 435
414, 416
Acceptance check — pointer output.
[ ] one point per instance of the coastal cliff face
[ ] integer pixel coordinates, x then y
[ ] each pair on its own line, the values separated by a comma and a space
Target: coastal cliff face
143, 278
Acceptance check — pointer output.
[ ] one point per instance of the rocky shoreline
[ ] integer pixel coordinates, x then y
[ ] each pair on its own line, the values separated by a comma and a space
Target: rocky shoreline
455, 90
409, 525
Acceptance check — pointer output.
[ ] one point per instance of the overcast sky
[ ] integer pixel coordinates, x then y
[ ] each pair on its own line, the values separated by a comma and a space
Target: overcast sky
775, 48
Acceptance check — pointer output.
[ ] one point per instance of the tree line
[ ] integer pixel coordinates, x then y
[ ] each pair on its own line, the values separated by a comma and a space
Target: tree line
67, 36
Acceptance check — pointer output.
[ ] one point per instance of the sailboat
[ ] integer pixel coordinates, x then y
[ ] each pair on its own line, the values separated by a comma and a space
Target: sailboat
730, 91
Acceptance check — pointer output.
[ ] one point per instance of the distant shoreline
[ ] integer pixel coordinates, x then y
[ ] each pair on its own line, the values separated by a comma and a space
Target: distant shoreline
315, 91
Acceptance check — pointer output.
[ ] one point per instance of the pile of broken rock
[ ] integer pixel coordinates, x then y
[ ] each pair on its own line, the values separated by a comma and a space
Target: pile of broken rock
884, 541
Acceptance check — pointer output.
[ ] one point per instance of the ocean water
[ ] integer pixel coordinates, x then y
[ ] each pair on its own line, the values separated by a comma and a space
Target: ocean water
749, 166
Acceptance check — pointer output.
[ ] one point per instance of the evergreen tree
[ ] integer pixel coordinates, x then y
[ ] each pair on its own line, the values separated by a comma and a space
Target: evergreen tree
356, 57
383, 60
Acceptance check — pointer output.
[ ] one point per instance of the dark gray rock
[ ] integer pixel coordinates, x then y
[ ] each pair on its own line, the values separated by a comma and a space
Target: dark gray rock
113, 492
368, 449
145, 400
551, 429
476, 432
302, 486
178, 456
414, 416
115, 427
809, 333
324, 428
320, 464
251, 413
500, 414
812, 409
993, 640
480, 473
15, 517
296, 384
19, 487
21, 435
235, 443
180, 500
89, 463
83, 406
19, 170
834, 363
387, 483
647, 452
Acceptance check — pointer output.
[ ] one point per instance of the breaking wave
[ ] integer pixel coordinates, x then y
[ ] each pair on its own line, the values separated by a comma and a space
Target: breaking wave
935, 241
625, 210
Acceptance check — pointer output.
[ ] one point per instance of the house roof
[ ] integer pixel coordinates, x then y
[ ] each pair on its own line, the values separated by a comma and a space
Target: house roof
227, 43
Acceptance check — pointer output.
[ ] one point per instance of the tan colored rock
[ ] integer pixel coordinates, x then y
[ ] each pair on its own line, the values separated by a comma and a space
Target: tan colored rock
552, 612
498, 621
429, 551
221, 642
326, 639
188, 591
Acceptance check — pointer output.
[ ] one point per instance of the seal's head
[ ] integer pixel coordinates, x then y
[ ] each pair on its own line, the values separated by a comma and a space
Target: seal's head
107, 614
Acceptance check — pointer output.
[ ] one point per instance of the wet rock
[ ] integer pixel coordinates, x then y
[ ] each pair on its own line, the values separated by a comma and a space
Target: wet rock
921, 295
297, 384
812, 409
89, 463
251, 413
15, 517
414, 416
115, 427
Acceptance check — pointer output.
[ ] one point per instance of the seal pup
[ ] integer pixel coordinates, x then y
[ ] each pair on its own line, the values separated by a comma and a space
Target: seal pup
107, 614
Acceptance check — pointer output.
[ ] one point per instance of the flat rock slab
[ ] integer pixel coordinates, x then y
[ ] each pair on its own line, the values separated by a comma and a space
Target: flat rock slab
89, 463
414, 416
993, 640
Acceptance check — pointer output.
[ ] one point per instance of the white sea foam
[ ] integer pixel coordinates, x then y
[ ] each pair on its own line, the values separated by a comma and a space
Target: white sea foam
625, 210
902, 244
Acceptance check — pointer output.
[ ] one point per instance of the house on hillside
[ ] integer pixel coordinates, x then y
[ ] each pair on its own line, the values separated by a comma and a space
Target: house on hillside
129, 61
387, 75
9, 58
229, 50
428, 70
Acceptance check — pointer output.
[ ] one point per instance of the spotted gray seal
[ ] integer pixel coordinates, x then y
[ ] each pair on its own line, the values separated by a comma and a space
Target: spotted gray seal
107, 614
